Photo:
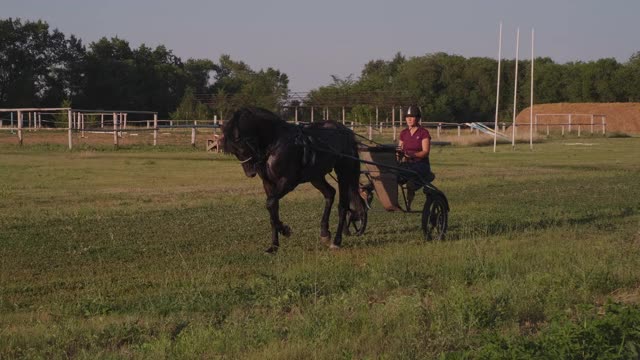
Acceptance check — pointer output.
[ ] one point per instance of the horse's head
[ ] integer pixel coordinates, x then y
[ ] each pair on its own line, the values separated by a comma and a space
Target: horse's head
247, 136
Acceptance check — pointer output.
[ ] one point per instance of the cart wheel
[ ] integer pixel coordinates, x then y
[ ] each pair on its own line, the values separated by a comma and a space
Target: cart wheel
355, 226
435, 217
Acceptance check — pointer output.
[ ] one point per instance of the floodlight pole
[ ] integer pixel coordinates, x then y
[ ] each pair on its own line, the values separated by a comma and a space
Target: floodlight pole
495, 129
515, 93
531, 105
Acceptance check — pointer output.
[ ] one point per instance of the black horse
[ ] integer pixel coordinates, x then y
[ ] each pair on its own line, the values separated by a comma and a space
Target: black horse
285, 155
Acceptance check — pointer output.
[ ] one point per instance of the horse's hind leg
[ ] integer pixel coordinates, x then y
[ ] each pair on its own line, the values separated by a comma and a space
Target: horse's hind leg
329, 194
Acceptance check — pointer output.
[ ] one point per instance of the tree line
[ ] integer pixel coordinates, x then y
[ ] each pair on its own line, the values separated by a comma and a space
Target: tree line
40, 67
457, 89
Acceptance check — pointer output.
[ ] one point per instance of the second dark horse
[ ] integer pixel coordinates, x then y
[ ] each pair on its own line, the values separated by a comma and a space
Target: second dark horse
284, 155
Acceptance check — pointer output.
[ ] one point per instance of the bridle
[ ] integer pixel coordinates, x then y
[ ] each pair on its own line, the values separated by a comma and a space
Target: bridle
251, 143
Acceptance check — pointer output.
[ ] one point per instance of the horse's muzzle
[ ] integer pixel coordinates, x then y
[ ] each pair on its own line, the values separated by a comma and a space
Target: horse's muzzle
249, 169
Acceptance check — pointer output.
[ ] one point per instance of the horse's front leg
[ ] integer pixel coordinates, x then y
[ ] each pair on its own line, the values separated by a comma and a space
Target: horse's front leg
343, 207
329, 194
342, 215
277, 227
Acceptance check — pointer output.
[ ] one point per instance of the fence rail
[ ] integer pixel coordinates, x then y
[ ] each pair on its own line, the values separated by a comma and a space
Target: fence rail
122, 128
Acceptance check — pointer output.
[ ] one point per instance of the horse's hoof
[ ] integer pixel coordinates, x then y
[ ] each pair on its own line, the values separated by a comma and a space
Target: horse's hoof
325, 239
272, 250
285, 231
334, 247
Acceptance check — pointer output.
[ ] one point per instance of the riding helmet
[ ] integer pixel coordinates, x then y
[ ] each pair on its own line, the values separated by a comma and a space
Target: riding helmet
413, 111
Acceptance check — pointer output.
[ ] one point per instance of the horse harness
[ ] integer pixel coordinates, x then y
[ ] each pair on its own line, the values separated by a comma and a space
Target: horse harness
310, 144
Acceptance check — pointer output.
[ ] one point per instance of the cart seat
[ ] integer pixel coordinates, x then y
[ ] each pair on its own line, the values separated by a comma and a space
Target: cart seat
384, 181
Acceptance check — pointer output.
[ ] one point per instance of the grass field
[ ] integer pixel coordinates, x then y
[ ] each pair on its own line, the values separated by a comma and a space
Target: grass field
148, 253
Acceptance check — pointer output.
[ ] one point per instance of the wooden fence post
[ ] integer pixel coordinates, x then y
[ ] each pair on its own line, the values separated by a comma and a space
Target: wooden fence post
69, 119
20, 127
115, 129
155, 129
82, 125
193, 134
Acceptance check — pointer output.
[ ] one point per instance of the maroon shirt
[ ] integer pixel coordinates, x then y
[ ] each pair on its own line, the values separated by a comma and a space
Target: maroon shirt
413, 143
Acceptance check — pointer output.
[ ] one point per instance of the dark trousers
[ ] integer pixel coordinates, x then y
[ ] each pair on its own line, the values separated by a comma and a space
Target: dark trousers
423, 170
415, 181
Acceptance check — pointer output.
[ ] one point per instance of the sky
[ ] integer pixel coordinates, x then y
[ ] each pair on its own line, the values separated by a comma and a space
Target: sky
312, 40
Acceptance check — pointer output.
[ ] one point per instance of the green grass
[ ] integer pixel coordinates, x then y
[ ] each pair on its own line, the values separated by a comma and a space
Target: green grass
141, 253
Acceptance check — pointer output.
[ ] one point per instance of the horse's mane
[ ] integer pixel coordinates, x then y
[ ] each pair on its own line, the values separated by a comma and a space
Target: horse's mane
253, 121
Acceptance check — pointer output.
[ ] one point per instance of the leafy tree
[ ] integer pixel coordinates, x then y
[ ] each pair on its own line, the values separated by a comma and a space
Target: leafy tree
199, 73
38, 67
189, 108
627, 79
241, 86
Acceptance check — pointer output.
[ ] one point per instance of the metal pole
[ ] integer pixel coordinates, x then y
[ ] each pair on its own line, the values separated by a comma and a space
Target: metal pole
495, 126
393, 121
312, 114
393, 116
531, 105
515, 92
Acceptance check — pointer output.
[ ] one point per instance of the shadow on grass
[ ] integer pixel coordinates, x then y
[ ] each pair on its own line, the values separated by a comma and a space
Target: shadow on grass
498, 227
